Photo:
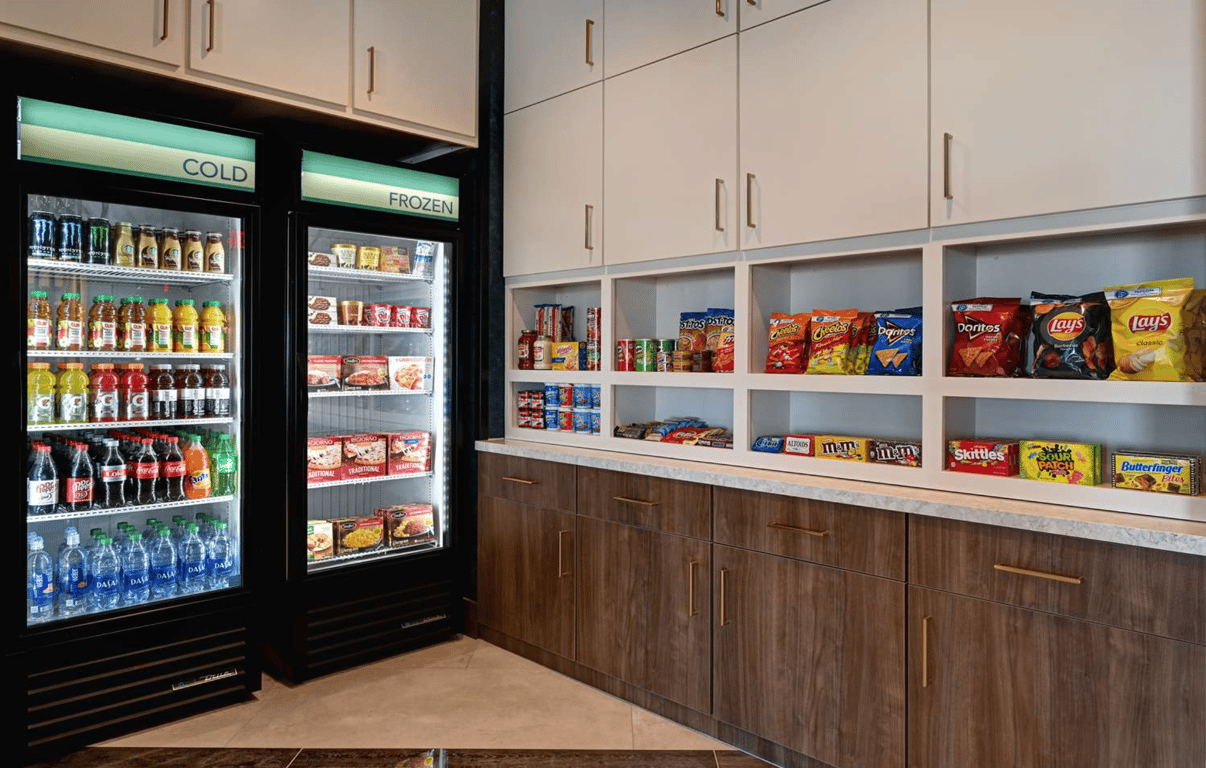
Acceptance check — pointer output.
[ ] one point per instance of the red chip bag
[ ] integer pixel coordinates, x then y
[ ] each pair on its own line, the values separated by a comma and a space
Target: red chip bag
786, 338
989, 335
722, 360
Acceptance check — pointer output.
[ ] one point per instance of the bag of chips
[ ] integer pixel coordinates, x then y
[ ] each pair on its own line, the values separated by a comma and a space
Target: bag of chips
722, 359
988, 337
786, 337
692, 333
897, 347
864, 339
1070, 337
714, 322
832, 338
1150, 323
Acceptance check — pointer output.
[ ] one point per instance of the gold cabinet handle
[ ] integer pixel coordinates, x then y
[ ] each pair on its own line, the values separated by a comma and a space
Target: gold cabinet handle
165, 21
638, 502
692, 610
590, 57
1037, 574
724, 596
798, 529
589, 229
946, 166
561, 572
749, 201
209, 48
752, 2
719, 8
372, 51
521, 480
719, 223
925, 652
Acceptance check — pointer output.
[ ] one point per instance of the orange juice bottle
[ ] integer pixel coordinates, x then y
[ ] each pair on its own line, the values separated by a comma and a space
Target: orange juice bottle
197, 484
213, 327
159, 326
186, 322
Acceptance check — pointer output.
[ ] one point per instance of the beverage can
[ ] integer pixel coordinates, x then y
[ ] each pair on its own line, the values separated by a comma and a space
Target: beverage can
645, 359
596, 395
69, 238
582, 421
582, 396
552, 395
565, 419
566, 395
626, 355
550, 417
41, 235
594, 324
595, 422
98, 242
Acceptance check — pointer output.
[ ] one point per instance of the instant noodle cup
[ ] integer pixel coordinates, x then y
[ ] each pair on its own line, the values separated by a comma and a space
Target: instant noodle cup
1151, 324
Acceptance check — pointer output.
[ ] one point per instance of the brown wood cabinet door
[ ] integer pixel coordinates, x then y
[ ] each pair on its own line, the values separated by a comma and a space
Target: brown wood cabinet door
526, 573
998, 686
613, 587
678, 640
810, 657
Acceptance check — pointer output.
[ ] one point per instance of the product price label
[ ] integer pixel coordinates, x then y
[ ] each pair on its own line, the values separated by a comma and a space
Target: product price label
42, 492
41, 409
79, 490
173, 469
72, 408
71, 334
104, 406
39, 333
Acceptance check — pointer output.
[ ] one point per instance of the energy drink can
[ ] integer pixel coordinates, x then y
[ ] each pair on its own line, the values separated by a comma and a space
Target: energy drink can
98, 242
41, 235
69, 238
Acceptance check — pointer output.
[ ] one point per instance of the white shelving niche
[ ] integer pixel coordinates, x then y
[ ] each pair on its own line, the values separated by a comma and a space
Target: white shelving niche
1074, 259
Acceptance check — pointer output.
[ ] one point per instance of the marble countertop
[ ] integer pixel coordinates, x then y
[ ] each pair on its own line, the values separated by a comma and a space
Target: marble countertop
1171, 535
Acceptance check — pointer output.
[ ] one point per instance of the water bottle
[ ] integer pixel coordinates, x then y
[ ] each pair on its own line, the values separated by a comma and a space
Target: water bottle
220, 565
192, 573
63, 548
163, 567
136, 572
73, 578
106, 581
39, 599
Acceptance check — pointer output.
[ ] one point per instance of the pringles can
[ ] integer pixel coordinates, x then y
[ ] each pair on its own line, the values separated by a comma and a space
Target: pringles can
665, 354
646, 355
626, 355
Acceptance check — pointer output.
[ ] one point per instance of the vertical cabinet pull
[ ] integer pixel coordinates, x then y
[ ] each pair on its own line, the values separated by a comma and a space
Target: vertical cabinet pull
946, 166
724, 596
561, 572
749, 201
372, 51
588, 230
209, 48
719, 223
720, 8
925, 652
692, 610
590, 56
165, 21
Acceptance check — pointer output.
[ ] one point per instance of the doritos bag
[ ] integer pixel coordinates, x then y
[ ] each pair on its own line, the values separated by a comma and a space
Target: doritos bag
988, 337
897, 347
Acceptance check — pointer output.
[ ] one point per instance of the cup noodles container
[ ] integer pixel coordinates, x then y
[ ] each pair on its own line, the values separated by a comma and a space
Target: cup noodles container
378, 315
983, 457
324, 459
407, 525
420, 317
409, 452
840, 447
363, 455
799, 445
320, 540
400, 315
409, 373
904, 453
395, 259
354, 535
323, 372
365, 372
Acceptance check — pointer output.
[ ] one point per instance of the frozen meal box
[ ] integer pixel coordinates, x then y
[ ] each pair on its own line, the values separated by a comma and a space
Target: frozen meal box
1056, 461
569, 356
354, 535
324, 459
320, 310
320, 317
408, 524
905, 453
323, 372
841, 447
320, 540
1161, 473
799, 445
413, 373
363, 455
365, 372
320, 259
409, 453
395, 259
983, 457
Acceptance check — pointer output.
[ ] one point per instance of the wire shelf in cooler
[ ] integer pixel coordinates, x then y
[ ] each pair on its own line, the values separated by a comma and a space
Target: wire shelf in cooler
341, 274
123, 274
363, 480
365, 329
360, 557
372, 393
72, 354
121, 424
129, 510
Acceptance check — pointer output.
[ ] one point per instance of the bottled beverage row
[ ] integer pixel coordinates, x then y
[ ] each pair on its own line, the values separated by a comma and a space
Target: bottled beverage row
130, 567
88, 471
68, 237
117, 392
130, 327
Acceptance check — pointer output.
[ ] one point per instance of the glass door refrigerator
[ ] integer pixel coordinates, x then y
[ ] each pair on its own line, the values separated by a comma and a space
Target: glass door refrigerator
370, 542
135, 240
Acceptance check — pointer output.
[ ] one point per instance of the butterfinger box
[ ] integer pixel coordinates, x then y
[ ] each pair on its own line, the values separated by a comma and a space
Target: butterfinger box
324, 459
841, 447
1054, 461
363, 456
983, 457
1161, 473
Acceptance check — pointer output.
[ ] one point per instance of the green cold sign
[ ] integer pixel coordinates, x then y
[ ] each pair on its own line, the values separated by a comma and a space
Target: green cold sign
340, 180
85, 138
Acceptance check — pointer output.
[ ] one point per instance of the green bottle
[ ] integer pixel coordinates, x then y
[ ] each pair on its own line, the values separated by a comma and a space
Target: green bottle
225, 468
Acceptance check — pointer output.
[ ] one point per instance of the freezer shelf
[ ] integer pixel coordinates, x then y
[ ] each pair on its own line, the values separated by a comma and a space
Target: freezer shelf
114, 274
386, 393
339, 560
343, 274
365, 329
365, 480
129, 509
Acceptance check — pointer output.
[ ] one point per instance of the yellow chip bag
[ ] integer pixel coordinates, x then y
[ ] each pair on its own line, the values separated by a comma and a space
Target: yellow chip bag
832, 338
1149, 323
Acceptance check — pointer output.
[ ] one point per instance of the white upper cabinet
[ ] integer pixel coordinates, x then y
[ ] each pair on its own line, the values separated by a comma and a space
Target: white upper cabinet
754, 12
296, 47
1058, 105
670, 141
416, 60
553, 184
643, 31
552, 47
148, 29
833, 123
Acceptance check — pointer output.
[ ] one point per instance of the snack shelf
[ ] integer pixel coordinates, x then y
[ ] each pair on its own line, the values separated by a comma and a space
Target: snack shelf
365, 329
32, 428
91, 354
359, 557
1090, 496
129, 510
871, 385
364, 480
340, 274
372, 393
123, 274
1074, 390
556, 437
556, 377
674, 379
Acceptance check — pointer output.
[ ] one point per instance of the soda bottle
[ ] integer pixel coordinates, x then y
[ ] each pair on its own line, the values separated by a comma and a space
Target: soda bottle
173, 471
106, 580
217, 392
163, 567
192, 556
73, 578
196, 466
221, 558
146, 468
43, 488
225, 469
40, 394
136, 572
39, 571
79, 482
135, 402
111, 492
73, 393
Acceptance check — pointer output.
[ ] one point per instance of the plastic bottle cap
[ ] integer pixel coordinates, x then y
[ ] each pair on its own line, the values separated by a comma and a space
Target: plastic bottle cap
37, 294
104, 297
135, 537
212, 304
173, 439
185, 303
125, 300
40, 366
147, 441
69, 296
135, 299
192, 527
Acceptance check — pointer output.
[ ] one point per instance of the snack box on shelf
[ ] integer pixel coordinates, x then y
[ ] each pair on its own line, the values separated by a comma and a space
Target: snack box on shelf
320, 540
1159, 472
905, 453
409, 453
324, 459
407, 525
1057, 461
799, 445
357, 535
983, 457
321, 310
363, 455
841, 447
324, 372
409, 373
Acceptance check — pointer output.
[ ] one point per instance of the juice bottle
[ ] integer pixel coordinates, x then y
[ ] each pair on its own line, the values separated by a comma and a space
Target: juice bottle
163, 392
135, 401
70, 316
40, 398
133, 330
38, 312
73, 393
213, 327
217, 392
197, 483
159, 321
123, 317
102, 324
186, 325
104, 392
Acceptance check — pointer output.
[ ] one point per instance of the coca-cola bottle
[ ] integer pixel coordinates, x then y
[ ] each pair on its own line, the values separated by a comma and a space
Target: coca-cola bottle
146, 471
111, 493
172, 471
43, 490
79, 481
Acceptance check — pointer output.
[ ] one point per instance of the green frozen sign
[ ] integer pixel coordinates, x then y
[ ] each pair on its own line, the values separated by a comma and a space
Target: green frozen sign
86, 138
343, 181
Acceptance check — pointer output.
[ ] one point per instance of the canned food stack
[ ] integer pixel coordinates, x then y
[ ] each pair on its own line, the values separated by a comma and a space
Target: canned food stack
551, 345
561, 407
705, 344
70, 238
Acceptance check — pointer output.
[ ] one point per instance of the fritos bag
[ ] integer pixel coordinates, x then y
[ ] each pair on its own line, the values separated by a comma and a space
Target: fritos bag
832, 340
692, 332
715, 321
786, 338
1151, 324
722, 360
988, 337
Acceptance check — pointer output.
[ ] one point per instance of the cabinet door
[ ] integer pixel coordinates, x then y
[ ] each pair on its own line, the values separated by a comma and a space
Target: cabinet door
526, 573
551, 48
671, 147
810, 657
833, 123
613, 591
996, 686
642, 31
150, 29
297, 47
417, 61
1053, 106
678, 638
553, 184
754, 12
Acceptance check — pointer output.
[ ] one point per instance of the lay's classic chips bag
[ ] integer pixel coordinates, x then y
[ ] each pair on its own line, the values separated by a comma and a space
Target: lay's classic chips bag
1152, 325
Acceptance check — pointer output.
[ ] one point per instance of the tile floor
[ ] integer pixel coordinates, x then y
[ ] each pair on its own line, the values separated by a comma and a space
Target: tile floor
464, 694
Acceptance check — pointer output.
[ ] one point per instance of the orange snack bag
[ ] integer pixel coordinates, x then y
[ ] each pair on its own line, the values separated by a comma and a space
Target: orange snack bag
832, 339
786, 337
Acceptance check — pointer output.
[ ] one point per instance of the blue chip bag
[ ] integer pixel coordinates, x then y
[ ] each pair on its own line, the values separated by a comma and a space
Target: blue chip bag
897, 348
768, 444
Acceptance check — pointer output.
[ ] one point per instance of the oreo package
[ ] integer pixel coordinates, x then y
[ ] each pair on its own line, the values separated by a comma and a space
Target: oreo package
1070, 337
768, 444
897, 347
